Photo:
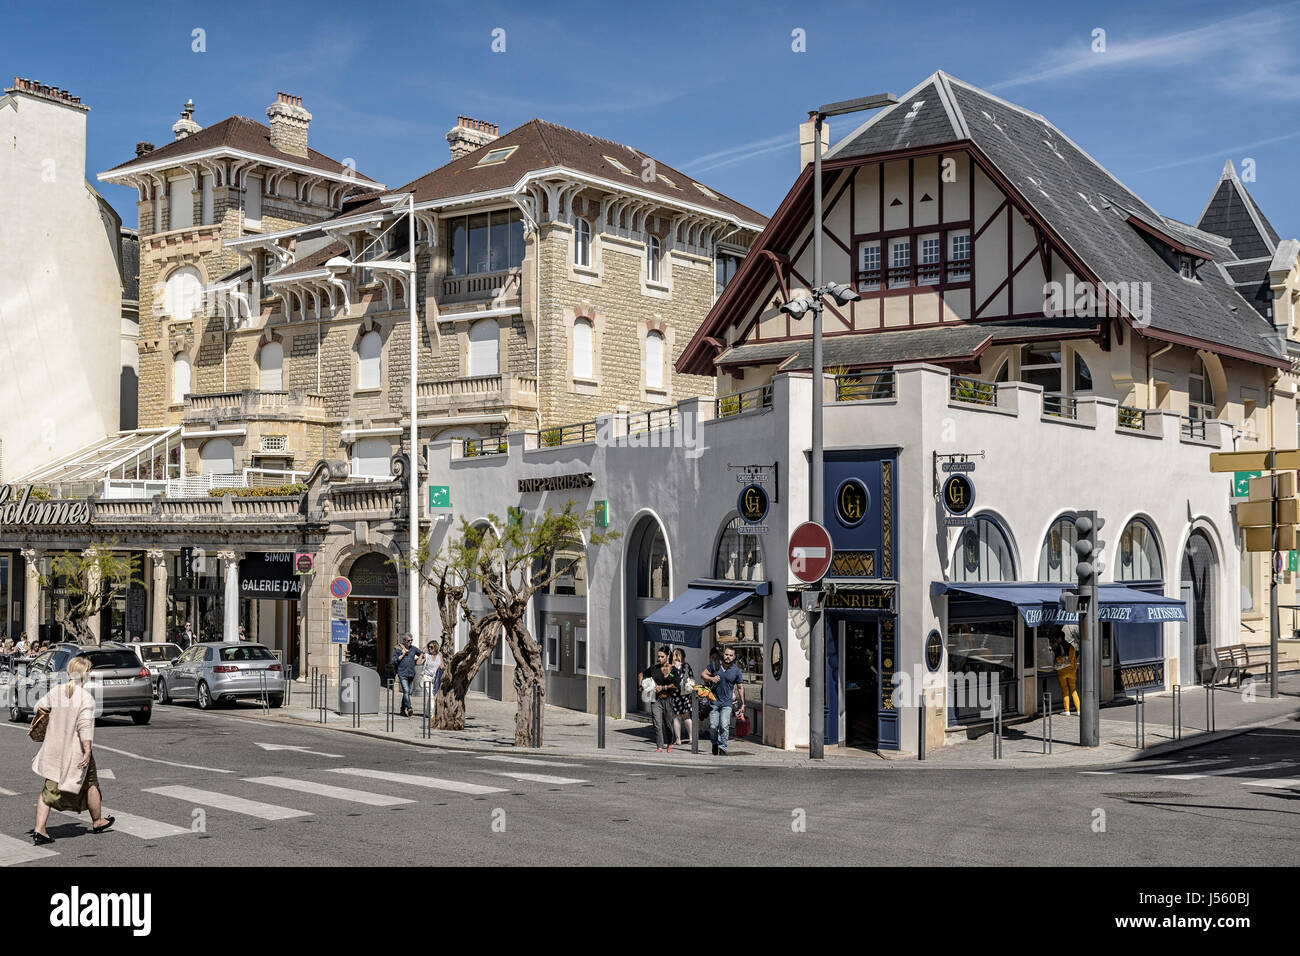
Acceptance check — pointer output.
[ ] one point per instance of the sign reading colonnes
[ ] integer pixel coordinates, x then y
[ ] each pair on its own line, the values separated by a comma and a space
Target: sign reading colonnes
23, 510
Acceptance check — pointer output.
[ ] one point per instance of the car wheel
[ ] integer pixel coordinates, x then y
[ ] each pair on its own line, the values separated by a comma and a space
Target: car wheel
15, 714
203, 696
163, 698
275, 700
141, 717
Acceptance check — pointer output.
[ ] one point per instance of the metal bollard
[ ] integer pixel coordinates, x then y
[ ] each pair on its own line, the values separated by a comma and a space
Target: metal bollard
1047, 723
390, 721
920, 730
311, 684
322, 693
428, 711
261, 680
537, 718
695, 725
600, 719
1140, 719
1178, 711
356, 701
1210, 721
997, 728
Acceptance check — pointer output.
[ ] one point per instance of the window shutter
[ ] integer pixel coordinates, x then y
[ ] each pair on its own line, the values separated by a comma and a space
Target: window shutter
654, 361
582, 349
484, 348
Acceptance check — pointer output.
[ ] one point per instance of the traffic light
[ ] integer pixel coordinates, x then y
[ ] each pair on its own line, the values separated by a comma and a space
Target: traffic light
1089, 548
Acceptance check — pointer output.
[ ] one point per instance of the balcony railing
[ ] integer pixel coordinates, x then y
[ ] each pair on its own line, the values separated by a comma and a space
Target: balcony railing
737, 403
199, 486
973, 391
1134, 419
560, 435
518, 390
864, 385
484, 285
1060, 406
652, 420
250, 402
1193, 427
480, 447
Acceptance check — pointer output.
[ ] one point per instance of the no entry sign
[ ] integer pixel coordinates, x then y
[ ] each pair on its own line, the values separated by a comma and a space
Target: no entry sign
810, 552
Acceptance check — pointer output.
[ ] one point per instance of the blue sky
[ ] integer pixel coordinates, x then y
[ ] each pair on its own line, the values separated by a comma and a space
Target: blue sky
713, 89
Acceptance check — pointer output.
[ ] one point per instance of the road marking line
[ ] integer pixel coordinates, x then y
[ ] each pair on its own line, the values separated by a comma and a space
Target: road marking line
141, 827
1270, 783
170, 763
21, 851
327, 790
7, 793
1163, 765
1228, 771
314, 753
223, 801
532, 777
526, 760
106, 774
433, 783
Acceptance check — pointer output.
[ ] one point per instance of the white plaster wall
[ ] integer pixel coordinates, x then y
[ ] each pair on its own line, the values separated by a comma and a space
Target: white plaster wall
60, 292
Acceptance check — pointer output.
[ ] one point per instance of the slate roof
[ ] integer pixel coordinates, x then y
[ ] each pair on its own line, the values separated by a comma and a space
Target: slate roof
540, 145
1233, 213
1076, 196
243, 134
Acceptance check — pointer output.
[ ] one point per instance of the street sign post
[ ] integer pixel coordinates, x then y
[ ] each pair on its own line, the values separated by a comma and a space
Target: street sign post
340, 587
810, 552
338, 632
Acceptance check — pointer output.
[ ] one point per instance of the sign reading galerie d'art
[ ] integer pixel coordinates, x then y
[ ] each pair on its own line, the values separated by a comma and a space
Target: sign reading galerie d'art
23, 509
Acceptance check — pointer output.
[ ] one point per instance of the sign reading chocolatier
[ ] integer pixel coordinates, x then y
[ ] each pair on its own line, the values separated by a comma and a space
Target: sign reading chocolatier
556, 483
24, 510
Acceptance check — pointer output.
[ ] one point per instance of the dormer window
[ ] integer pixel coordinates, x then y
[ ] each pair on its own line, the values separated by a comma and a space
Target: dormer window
1187, 266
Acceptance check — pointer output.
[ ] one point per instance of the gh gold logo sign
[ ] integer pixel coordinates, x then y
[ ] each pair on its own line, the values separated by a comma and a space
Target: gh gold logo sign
958, 494
753, 504
851, 503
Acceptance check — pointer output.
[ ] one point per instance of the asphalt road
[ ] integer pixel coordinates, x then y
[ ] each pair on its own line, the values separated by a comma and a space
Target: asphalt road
198, 788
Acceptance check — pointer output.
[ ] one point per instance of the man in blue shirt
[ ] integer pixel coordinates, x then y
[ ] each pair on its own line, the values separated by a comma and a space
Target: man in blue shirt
729, 690
404, 663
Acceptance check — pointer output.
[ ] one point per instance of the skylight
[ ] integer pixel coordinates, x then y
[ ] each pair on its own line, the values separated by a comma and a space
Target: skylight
617, 165
498, 155
660, 177
705, 189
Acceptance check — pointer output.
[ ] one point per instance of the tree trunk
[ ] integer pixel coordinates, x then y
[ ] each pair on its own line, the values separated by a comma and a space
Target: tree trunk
77, 631
530, 678
458, 672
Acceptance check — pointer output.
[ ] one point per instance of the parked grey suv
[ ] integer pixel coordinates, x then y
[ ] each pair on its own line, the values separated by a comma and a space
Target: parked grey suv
213, 672
119, 683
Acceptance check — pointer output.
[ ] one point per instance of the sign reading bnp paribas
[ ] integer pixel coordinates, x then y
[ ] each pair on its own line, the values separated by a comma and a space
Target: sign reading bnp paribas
22, 509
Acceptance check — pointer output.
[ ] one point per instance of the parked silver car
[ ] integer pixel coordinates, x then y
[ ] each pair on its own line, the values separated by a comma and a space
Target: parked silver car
119, 683
157, 656
213, 672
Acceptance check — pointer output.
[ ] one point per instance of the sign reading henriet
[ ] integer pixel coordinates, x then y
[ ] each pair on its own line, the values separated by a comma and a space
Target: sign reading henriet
23, 510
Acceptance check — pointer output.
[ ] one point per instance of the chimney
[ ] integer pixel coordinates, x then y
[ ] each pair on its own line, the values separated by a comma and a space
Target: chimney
289, 123
469, 134
52, 93
142, 149
806, 136
185, 126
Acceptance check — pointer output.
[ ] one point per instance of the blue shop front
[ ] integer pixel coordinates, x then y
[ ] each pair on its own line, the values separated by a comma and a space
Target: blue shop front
861, 588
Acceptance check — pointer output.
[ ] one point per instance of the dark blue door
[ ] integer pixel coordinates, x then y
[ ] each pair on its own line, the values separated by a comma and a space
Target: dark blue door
832, 683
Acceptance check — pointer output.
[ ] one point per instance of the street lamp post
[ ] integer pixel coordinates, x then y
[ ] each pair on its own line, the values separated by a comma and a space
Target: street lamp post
413, 470
843, 295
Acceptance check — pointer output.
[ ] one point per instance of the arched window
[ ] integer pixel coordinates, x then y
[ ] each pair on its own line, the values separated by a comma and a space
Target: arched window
183, 295
369, 350
1056, 561
1003, 374
582, 348
581, 242
653, 258
740, 556
371, 457
983, 553
180, 377
1138, 557
484, 348
1082, 376
1200, 392
654, 360
218, 457
270, 367
652, 564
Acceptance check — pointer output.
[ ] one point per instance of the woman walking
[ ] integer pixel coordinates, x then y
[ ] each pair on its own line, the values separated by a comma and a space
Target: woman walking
65, 759
683, 697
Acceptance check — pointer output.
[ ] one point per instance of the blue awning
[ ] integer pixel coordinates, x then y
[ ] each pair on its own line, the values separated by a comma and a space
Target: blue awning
684, 619
1040, 603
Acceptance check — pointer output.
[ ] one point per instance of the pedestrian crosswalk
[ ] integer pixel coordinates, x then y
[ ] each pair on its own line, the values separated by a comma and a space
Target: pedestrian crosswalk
1243, 773
162, 812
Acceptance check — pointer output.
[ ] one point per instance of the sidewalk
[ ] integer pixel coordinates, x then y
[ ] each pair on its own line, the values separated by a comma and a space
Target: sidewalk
489, 727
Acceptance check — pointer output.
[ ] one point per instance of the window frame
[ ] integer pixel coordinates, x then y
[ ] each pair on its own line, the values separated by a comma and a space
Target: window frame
661, 385
590, 353
581, 243
178, 395
262, 369
377, 359
1200, 408
654, 259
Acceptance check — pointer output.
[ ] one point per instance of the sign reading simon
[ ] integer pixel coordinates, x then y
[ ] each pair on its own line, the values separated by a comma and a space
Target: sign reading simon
557, 483
24, 510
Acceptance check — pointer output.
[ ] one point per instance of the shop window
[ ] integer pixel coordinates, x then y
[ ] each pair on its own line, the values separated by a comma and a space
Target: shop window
371, 457
654, 361
581, 242
982, 667
739, 556
180, 377
582, 348
1057, 558
1139, 554
484, 348
218, 457
370, 361
983, 553
652, 565
183, 294
270, 367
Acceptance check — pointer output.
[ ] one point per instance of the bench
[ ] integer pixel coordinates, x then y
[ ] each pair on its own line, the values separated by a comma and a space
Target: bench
1236, 659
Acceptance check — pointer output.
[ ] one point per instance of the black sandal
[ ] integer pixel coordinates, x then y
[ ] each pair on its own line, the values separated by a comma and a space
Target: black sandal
41, 839
105, 828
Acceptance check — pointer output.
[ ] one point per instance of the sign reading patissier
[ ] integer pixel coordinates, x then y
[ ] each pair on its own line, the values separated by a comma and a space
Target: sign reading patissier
23, 509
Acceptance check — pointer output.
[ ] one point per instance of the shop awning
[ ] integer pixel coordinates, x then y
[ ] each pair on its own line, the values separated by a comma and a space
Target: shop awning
1040, 602
684, 619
